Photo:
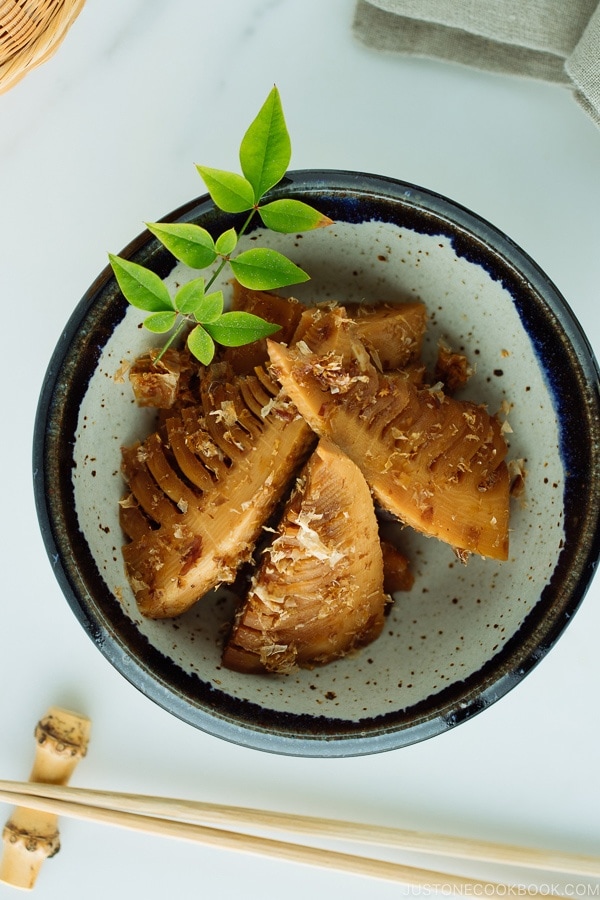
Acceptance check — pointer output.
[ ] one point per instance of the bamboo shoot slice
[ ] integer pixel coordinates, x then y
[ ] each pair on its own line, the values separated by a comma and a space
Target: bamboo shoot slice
206, 485
318, 592
435, 462
282, 311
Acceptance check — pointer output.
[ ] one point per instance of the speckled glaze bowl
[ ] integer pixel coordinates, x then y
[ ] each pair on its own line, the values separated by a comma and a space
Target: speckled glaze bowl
465, 634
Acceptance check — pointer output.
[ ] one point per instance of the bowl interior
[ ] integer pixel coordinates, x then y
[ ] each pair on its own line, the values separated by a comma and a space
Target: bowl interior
464, 634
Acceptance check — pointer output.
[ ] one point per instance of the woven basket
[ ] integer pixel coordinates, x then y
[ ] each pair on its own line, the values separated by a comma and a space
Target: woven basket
30, 32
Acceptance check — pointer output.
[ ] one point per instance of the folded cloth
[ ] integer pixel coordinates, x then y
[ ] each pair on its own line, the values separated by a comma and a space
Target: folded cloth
553, 40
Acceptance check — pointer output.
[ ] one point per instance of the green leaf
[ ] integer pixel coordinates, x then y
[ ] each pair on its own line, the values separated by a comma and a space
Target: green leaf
189, 243
212, 308
160, 322
140, 286
229, 191
227, 242
201, 345
290, 216
266, 150
191, 300
234, 329
262, 269
189, 297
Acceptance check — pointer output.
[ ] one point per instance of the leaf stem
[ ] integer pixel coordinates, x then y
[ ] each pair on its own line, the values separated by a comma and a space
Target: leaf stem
249, 218
216, 273
225, 259
173, 337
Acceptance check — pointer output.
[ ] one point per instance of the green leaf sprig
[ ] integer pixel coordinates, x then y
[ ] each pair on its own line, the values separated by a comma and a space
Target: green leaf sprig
264, 154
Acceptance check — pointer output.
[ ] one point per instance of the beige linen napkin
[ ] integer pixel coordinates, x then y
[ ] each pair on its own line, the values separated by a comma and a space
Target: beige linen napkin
554, 40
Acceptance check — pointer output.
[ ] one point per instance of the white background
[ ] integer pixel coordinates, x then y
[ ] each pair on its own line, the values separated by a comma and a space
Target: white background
104, 137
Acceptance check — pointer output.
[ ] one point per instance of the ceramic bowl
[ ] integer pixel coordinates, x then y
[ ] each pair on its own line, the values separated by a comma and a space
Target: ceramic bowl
465, 634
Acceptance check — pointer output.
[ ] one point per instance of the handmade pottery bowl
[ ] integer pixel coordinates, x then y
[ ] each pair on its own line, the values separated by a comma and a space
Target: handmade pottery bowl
465, 634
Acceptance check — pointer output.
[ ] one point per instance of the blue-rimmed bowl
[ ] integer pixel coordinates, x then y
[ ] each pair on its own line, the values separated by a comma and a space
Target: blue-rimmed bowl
464, 635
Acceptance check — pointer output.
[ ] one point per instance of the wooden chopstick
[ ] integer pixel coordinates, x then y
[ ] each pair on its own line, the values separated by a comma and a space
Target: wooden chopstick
198, 812
246, 843
179, 819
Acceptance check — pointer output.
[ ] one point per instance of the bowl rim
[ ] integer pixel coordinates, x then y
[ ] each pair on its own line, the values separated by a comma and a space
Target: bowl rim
518, 656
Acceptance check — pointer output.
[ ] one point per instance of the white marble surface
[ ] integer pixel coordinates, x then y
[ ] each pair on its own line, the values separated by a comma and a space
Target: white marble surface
104, 137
